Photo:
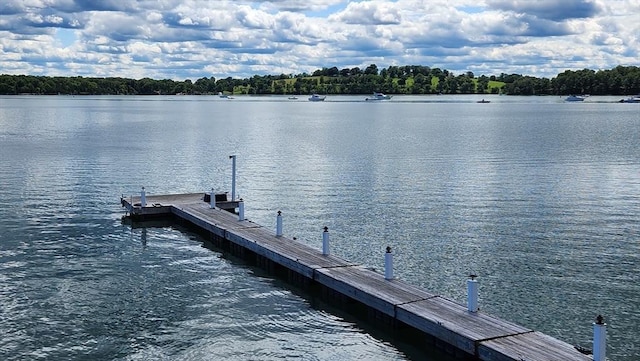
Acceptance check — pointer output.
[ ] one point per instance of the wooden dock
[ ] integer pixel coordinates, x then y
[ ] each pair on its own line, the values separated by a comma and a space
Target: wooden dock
472, 335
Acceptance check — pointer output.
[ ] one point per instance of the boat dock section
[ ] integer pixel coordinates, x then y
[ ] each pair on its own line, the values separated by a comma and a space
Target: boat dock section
473, 335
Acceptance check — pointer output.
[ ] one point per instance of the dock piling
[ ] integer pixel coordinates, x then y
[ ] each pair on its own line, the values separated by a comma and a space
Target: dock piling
143, 198
472, 294
325, 241
212, 199
388, 264
599, 339
241, 210
279, 224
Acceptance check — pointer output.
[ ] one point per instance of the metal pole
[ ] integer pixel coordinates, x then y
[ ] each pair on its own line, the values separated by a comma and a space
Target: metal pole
279, 224
388, 264
325, 241
599, 339
472, 294
233, 177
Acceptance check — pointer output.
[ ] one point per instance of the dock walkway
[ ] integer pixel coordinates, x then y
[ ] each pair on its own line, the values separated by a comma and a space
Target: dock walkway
476, 335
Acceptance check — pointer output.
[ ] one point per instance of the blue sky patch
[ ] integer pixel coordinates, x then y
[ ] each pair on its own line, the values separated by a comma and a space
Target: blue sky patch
471, 9
66, 36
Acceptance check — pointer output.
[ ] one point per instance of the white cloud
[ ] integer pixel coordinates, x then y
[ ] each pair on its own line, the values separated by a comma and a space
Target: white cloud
254, 19
191, 38
369, 13
549, 9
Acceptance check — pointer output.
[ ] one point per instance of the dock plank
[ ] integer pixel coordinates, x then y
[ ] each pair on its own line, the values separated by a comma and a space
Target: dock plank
533, 346
303, 253
371, 288
452, 322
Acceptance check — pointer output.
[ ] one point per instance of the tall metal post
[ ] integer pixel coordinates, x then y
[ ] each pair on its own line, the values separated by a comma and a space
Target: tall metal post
279, 224
388, 264
325, 241
472, 294
233, 177
599, 339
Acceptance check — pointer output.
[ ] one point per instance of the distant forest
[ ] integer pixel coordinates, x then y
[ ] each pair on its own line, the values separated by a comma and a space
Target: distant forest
412, 79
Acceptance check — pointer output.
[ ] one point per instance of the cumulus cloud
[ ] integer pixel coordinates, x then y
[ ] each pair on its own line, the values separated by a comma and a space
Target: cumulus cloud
369, 13
12, 7
549, 9
194, 38
254, 19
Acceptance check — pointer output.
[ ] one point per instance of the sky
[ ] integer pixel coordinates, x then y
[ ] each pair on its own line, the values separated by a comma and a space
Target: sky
191, 39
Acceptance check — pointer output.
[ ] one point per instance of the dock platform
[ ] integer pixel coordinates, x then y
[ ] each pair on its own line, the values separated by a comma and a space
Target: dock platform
472, 335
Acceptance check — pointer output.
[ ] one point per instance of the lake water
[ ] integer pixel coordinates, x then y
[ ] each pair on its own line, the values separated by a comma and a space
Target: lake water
538, 197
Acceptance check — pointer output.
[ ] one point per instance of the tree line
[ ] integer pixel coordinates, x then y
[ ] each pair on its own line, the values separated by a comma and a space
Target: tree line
412, 79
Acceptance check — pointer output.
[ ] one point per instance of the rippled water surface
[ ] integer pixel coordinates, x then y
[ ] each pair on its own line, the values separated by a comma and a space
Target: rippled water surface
538, 197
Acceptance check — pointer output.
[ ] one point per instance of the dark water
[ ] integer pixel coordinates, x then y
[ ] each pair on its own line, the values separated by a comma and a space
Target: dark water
538, 197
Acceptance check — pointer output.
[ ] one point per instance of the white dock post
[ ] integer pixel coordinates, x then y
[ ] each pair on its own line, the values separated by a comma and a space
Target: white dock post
325, 241
241, 210
233, 177
388, 264
212, 199
279, 224
599, 339
472, 294
143, 198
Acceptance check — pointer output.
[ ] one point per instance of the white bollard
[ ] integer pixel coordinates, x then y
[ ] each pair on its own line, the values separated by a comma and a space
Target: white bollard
472, 294
279, 224
233, 177
388, 264
241, 210
143, 198
325, 241
599, 339
212, 199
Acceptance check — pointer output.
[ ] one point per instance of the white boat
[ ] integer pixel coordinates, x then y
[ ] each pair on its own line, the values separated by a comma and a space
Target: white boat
317, 98
378, 96
635, 99
224, 96
574, 98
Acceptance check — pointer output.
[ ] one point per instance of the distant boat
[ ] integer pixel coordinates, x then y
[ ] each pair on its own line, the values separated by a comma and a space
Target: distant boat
574, 98
483, 101
224, 96
293, 97
378, 96
317, 98
635, 99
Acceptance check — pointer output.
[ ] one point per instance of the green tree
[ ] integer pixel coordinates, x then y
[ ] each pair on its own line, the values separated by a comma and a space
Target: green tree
371, 69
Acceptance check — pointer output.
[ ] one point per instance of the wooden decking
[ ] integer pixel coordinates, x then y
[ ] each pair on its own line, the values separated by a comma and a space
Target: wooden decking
478, 335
